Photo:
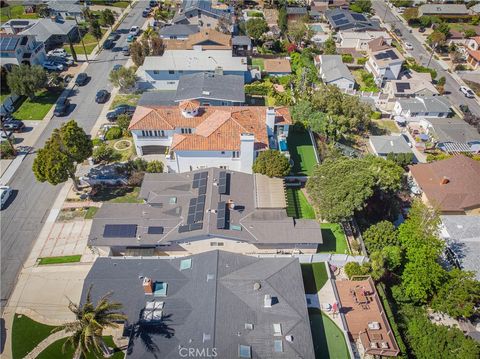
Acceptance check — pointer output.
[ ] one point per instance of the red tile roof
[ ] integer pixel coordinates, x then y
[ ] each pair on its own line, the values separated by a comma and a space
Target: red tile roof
474, 54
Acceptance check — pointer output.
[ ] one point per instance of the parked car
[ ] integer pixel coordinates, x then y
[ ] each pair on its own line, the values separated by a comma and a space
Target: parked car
408, 46
5, 193
134, 30
58, 52
120, 110
81, 79
66, 61
145, 13
102, 96
116, 67
153, 3
61, 108
5, 135
467, 92
50, 65
130, 38
114, 36
126, 50
397, 32
13, 125
108, 44
465, 110
421, 29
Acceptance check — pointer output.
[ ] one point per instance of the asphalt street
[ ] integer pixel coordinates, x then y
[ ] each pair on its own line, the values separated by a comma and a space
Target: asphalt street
23, 219
422, 56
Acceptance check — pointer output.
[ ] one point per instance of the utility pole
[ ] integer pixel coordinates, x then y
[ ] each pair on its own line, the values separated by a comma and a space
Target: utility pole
81, 39
431, 54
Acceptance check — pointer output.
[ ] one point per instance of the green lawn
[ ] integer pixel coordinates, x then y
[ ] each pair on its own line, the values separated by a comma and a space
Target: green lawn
365, 81
302, 152
15, 12
297, 204
27, 334
118, 195
314, 276
37, 108
334, 240
257, 62
328, 339
54, 351
89, 41
125, 99
60, 260
91, 212
3, 96
388, 125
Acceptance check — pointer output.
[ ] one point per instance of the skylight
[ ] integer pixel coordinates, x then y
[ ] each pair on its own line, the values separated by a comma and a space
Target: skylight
160, 289
277, 329
185, 264
278, 346
244, 351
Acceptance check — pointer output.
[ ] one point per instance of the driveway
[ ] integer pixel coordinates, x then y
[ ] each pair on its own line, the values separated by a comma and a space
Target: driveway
24, 217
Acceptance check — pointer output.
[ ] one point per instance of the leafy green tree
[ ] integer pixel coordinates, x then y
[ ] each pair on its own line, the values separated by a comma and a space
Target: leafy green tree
137, 53
380, 235
107, 17
256, 28
459, 296
155, 167
90, 322
104, 153
299, 31
329, 47
470, 33
123, 121
401, 159
125, 78
361, 6
94, 29
388, 175
355, 269
58, 159
282, 19
436, 38
272, 163
393, 257
25, 80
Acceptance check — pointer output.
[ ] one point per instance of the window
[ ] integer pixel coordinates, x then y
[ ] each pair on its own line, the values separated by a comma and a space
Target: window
236, 154
278, 346
216, 244
244, 351
171, 72
186, 130
223, 152
170, 82
172, 200
156, 72
277, 329
248, 326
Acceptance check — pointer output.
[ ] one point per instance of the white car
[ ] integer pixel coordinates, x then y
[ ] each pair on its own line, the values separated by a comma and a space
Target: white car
50, 65
408, 46
467, 92
5, 192
134, 30
58, 52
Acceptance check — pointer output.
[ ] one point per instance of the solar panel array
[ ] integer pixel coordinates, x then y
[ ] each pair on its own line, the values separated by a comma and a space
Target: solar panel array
338, 16
8, 43
390, 54
120, 231
200, 182
155, 230
222, 183
196, 208
359, 17
402, 86
221, 215
341, 22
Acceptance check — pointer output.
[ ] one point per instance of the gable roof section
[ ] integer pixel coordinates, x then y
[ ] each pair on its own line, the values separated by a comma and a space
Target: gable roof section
435, 104
209, 40
333, 68
180, 30
462, 192
341, 19
389, 144
454, 130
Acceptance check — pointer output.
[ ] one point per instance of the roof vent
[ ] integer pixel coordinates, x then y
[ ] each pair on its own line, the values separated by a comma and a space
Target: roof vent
267, 301
257, 286
444, 180
206, 337
147, 285
289, 338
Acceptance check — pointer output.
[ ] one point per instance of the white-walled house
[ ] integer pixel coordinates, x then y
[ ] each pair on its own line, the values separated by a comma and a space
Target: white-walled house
384, 65
163, 72
422, 107
21, 49
194, 137
333, 71
359, 40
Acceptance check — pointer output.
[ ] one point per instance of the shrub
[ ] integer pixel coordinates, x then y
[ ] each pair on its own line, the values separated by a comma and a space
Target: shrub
138, 164
376, 115
272, 163
136, 179
123, 121
347, 58
6, 150
155, 167
97, 142
362, 60
113, 133
353, 269
258, 88
104, 153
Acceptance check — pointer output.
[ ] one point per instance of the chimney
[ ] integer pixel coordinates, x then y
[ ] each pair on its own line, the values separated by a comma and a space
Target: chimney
147, 285
270, 120
247, 152
444, 180
267, 301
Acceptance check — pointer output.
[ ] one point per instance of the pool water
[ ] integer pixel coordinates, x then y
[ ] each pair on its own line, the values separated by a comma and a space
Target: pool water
283, 145
317, 28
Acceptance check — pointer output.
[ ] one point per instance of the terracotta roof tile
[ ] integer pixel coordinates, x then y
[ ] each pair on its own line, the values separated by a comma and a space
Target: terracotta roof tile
189, 105
208, 39
474, 54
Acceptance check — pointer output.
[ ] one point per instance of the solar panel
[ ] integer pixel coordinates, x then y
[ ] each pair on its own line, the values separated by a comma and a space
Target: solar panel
359, 17
198, 216
8, 43
184, 228
155, 230
221, 214
341, 22
203, 182
338, 16
392, 54
201, 199
402, 86
196, 226
195, 183
202, 190
203, 175
191, 217
222, 182
196, 176
120, 231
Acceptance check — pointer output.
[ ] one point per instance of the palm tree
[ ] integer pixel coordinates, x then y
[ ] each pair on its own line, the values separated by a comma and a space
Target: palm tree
90, 322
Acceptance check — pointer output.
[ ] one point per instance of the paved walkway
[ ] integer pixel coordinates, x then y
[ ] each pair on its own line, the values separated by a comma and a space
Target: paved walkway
67, 238
52, 338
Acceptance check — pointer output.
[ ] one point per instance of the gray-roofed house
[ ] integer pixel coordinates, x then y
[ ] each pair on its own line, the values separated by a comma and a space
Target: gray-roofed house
203, 14
52, 32
217, 304
444, 10
383, 145
296, 13
340, 19
21, 49
178, 31
384, 63
65, 8
454, 136
462, 235
426, 107
334, 72
241, 45
198, 211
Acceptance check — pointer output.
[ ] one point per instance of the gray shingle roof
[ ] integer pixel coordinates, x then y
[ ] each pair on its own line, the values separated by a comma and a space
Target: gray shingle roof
426, 104
208, 305
65, 6
179, 30
258, 226
241, 41
43, 29
384, 145
454, 130
333, 68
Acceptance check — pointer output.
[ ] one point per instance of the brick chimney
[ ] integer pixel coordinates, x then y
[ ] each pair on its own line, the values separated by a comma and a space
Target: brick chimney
147, 285
444, 180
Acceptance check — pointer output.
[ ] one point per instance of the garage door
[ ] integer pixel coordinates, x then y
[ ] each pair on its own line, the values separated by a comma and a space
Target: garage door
154, 150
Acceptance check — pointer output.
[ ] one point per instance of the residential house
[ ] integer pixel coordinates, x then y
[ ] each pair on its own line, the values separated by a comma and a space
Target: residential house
53, 32
208, 39
454, 135
241, 46
204, 210
164, 72
217, 304
462, 236
340, 19
333, 71
21, 49
365, 317
323, 5
473, 52
383, 145
411, 84
295, 14
65, 8
450, 185
277, 67
359, 40
445, 11
203, 14
422, 107
178, 31
384, 63
197, 136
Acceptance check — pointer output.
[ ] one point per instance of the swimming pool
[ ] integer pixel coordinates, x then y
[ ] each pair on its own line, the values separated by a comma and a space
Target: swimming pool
316, 27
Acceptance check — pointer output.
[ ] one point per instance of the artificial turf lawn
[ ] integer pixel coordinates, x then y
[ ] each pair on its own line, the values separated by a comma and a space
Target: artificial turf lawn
314, 276
54, 350
59, 260
297, 204
258, 62
15, 12
125, 99
89, 41
37, 108
328, 339
27, 334
302, 152
118, 195
334, 240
